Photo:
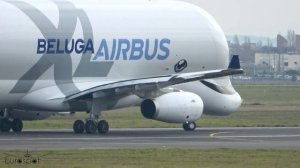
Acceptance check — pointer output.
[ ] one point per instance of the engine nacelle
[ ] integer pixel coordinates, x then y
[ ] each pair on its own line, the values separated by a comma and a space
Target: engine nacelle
175, 107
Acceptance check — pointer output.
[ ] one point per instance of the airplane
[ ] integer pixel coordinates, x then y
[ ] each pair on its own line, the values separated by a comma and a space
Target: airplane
170, 58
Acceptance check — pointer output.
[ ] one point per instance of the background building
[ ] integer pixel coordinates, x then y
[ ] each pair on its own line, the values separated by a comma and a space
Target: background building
275, 64
282, 44
261, 57
292, 62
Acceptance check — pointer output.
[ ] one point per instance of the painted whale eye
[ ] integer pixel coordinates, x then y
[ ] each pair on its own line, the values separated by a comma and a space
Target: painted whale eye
180, 66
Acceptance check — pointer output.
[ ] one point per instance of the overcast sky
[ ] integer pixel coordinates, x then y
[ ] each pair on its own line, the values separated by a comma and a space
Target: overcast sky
254, 17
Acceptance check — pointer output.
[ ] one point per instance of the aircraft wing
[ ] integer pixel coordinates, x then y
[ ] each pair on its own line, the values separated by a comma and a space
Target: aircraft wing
152, 83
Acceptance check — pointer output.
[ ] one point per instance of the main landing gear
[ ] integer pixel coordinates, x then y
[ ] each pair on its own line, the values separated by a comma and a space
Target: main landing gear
91, 126
189, 126
16, 125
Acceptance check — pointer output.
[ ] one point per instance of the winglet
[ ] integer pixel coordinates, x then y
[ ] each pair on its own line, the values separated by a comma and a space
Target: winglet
235, 62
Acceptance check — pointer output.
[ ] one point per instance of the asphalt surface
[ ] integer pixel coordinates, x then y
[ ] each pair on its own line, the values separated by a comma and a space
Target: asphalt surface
244, 138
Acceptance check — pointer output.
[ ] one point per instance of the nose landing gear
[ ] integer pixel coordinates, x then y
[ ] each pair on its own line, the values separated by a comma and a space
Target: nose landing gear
189, 126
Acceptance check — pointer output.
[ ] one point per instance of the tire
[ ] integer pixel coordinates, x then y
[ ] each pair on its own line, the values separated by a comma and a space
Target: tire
17, 125
185, 126
103, 127
190, 126
5, 125
78, 127
90, 127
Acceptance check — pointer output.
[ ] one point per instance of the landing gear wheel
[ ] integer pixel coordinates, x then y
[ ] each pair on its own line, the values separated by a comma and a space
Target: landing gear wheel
90, 127
5, 125
78, 127
17, 125
103, 127
189, 126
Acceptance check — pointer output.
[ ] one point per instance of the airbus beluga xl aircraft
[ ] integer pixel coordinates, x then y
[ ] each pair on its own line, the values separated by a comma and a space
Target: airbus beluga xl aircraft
170, 58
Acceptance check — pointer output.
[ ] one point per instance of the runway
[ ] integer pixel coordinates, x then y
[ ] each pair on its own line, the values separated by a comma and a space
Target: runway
244, 138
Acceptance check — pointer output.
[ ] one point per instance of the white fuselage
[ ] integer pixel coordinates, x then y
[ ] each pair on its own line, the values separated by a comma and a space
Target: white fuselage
122, 34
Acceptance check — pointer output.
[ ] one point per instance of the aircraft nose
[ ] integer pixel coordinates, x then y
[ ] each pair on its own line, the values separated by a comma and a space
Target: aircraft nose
237, 101
231, 104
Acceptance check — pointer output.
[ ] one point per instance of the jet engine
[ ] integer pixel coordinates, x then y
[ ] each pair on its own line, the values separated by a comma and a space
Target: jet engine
175, 107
